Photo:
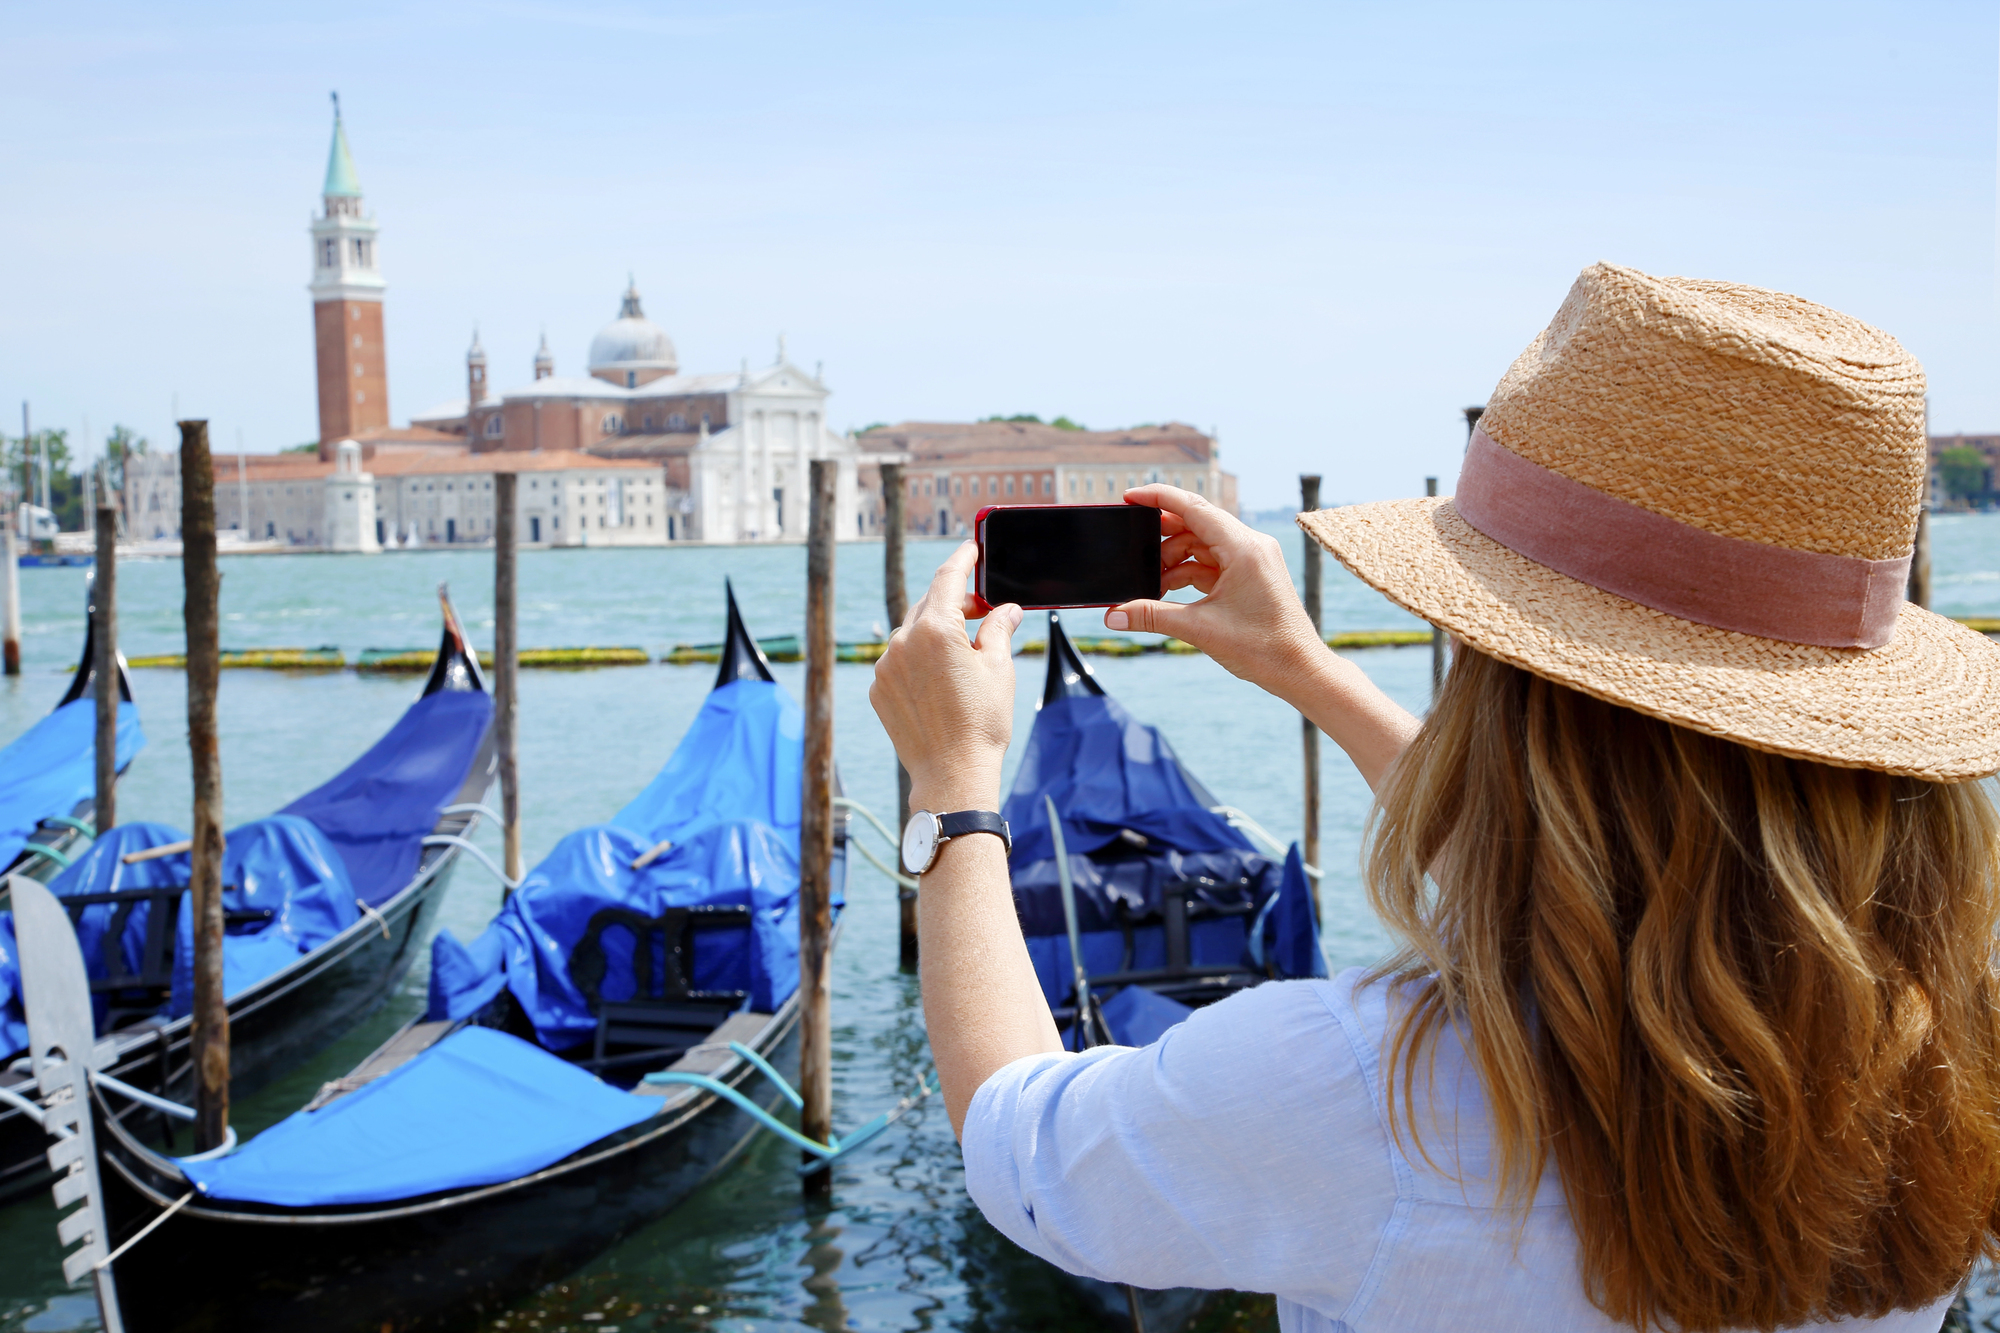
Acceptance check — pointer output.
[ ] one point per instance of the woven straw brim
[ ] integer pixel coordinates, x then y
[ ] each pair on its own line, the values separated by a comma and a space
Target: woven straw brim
1924, 705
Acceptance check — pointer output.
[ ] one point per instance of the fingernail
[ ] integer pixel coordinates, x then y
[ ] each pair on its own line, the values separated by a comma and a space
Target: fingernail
1117, 620
1014, 617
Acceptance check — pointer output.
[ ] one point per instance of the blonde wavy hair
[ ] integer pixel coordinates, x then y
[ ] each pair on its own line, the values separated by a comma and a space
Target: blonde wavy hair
1745, 1003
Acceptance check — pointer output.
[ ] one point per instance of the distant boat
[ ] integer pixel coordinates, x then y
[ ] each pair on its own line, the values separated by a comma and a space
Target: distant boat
48, 774
327, 902
507, 1136
1171, 905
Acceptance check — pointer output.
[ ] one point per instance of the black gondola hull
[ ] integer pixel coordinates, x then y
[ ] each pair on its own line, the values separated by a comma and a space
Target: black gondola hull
443, 1265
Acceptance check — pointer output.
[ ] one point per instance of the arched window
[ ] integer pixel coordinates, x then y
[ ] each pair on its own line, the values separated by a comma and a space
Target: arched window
613, 423
1010, 485
495, 426
329, 253
675, 421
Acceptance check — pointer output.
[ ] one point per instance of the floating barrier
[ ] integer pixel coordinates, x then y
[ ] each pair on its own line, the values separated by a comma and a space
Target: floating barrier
390, 660
869, 651
783, 648
327, 658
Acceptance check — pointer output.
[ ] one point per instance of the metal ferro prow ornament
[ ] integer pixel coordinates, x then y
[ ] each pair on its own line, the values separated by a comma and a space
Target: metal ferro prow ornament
63, 1050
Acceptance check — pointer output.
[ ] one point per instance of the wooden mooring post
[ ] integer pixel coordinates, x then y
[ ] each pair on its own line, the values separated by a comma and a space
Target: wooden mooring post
897, 595
816, 830
1437, 635
203, 584
104, 666
10, 593
1309, 735
506, 672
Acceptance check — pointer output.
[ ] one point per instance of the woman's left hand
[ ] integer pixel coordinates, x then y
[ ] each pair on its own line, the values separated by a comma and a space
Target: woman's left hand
946, 702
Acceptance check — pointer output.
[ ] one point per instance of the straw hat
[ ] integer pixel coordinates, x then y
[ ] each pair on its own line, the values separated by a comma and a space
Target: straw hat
1699, 500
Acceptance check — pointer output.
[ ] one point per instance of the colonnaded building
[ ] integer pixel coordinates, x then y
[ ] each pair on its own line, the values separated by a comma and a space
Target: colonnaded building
631, 453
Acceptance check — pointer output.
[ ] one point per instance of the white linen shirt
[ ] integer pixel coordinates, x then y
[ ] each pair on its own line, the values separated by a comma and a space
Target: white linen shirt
1247, 1149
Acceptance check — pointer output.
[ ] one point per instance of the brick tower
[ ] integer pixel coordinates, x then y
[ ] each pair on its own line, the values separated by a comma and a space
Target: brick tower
347, 292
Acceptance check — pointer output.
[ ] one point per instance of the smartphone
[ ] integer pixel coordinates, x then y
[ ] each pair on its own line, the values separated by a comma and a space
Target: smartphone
1047, 556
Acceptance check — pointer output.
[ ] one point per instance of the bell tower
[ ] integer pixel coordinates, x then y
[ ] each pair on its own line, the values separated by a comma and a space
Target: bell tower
347, 290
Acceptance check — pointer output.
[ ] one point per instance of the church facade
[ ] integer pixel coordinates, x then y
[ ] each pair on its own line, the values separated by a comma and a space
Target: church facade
735, 448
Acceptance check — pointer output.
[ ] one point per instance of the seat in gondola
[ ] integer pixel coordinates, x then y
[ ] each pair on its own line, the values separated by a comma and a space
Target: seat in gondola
666, 1014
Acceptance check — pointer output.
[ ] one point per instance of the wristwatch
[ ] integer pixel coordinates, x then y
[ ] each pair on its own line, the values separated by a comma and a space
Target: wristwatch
926, 832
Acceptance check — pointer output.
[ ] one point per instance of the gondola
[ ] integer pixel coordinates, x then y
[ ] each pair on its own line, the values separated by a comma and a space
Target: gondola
48, 774
512, 1133
326, 903
1153, 883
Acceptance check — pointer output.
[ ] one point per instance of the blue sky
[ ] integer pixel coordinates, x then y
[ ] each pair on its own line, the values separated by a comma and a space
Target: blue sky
1321, 229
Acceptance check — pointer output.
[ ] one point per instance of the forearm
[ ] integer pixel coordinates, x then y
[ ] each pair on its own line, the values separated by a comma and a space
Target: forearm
983, 1007
1341, 701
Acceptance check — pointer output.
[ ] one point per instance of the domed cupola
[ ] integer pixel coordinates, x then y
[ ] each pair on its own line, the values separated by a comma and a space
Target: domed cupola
632, 350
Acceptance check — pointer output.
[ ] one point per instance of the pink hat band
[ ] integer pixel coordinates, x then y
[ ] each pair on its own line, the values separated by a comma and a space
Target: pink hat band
1774, 592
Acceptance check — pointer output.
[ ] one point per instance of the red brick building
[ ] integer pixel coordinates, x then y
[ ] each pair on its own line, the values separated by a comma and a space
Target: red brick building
955, 469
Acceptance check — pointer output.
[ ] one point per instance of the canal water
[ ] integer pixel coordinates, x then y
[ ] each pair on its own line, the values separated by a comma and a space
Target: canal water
898, 1246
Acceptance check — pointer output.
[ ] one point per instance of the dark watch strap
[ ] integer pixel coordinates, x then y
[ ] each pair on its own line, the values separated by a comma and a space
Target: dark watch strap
975, 821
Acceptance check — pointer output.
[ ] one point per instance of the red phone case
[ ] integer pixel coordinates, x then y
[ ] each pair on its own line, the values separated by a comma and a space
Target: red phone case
980, 605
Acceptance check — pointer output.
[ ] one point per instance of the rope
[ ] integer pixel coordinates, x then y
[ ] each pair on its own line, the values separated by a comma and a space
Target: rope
83, 826
33, 1110
824, 1154
449, 840
902, 881
374, 916
144, 1231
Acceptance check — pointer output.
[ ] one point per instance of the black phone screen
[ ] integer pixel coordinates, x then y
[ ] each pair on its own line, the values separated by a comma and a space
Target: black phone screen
1070, 555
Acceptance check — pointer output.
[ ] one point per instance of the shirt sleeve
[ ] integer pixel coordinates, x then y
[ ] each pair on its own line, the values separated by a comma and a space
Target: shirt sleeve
1241, 1150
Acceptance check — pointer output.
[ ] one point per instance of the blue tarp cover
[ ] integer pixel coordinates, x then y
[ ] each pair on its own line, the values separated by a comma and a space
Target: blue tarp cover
53, 765
478, 1108
281, 864
379, 809
527, 948
1109, 773
728, 799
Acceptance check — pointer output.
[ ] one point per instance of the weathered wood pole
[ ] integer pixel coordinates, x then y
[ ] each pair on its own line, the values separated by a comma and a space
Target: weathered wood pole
1309, 735
897, 594
1437, 635
1920, 561
203, 587
10, 593
816, 829
506, 671
104, 665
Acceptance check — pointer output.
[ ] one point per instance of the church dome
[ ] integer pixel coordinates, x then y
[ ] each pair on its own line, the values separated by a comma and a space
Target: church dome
632, 343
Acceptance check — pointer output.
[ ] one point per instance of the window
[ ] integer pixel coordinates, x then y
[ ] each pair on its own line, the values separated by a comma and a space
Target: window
494, 426
1090, 485
613, 423
975, 486
357, 340
648, 425
329, 253
957, 487
1010, 485
357, 370
1177, 479
1200, 485
676, 421
631, 379
1072, 487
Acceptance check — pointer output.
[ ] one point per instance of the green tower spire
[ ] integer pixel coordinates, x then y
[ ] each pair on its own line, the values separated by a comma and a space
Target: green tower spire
341, 180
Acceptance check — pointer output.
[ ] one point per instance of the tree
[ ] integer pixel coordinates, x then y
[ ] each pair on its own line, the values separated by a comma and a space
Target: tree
122, 443
1963, 471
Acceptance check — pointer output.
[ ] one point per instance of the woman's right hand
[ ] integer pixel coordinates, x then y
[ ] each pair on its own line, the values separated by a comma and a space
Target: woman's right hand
1253, 623
1251, 619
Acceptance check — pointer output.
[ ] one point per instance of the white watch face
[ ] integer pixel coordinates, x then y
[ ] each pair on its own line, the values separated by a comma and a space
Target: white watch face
920, 840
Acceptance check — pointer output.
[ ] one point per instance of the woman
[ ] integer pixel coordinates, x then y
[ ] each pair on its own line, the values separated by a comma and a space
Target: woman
1694, 1023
